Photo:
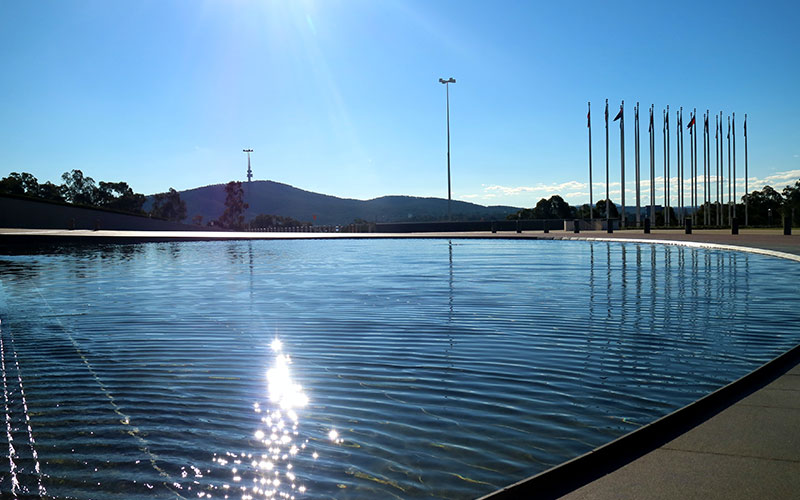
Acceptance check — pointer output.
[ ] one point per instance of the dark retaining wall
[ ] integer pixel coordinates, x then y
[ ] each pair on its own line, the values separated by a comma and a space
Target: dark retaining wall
469, 226
19, 212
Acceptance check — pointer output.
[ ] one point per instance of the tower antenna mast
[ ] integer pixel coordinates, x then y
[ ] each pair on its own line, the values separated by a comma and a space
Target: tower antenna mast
249, 172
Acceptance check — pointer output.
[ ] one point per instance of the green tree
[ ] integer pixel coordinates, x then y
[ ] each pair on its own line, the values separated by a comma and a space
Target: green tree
233, 216
553, 208
600, 208
583, 212
763, 207
169, 206
12, 184
263, 220
266, 220
791, 196
525, 213
50, 191
17, 183
119, 196
78, 188
673, 219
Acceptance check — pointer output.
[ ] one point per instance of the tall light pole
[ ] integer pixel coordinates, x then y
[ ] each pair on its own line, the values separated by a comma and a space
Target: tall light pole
447, 87
249, 172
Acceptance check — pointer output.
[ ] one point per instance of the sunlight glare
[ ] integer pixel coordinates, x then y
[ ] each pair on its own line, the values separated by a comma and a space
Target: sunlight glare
282, 390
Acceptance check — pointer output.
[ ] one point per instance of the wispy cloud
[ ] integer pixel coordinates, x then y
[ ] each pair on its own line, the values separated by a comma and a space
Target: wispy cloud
576, 192
539, 188
779, 178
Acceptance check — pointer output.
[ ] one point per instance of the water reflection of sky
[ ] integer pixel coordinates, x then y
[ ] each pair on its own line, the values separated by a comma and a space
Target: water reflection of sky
428, 368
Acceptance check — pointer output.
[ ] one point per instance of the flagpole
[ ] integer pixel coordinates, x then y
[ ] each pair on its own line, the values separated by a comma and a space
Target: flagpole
653, 168
706, 172
696, 167
692, 165
721, 170
705, 175
666, 171
696, 202
683, 170
716, 166
622, 161
730, 217
589, 124
608, 202
708, 155
734, 164
638, 179
667, 179
746, 191
679, 214
681, 165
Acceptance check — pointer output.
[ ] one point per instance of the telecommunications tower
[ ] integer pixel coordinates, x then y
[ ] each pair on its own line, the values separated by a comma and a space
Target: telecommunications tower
249, 172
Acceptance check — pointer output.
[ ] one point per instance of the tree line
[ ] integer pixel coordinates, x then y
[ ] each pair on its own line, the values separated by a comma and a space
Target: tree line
765, 208
79, 189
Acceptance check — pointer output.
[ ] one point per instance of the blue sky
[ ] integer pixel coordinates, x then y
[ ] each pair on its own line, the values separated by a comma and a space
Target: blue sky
342, 97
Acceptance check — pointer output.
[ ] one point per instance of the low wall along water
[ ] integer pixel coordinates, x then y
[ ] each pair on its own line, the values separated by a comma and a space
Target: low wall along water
16, 212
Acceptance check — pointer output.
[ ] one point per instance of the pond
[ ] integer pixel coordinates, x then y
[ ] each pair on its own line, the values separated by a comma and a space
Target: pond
360, 369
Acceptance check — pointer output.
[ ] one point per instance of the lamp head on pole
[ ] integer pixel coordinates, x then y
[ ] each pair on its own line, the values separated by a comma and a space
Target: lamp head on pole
449, 80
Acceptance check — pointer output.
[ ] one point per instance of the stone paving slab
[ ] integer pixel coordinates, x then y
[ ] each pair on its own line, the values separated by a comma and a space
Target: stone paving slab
749, 450
747, 431
774, 398
679, 475
789, 382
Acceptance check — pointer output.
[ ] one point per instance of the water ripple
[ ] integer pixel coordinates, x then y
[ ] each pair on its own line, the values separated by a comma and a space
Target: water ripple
405, 369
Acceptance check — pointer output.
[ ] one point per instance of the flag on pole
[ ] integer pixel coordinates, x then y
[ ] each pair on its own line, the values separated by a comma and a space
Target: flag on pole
650, 129
608, 198
621, 161
691, 123
589, 125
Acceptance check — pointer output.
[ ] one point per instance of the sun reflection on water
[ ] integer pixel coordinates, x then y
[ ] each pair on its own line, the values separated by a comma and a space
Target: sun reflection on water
269, 473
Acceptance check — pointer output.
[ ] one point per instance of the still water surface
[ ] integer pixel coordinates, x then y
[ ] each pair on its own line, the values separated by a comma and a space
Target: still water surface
360, 369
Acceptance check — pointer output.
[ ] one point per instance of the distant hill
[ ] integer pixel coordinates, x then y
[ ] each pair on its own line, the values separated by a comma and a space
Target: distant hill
274, 198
